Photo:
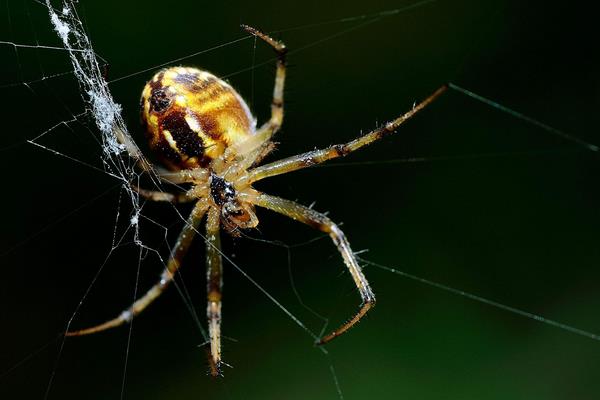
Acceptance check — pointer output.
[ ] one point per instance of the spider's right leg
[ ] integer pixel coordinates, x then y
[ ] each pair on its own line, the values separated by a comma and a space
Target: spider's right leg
168, 274
318, 156
256, 146
276, 120
319, 221
214, 283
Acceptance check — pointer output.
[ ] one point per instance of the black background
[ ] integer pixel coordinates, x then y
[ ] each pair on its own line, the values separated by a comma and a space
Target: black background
499, 208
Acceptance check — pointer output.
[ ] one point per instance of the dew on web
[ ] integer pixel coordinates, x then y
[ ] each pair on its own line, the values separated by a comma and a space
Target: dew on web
416, 230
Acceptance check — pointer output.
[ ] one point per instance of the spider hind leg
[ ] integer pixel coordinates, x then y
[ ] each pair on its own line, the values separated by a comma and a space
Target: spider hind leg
321, 222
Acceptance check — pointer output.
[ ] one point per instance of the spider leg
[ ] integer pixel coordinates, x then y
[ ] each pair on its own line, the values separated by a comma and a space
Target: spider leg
196, 175
276, 120
253, 148
319, 221
132, 149
264, 152
214, 283
155, 195
125, 139
318, 156
181, 247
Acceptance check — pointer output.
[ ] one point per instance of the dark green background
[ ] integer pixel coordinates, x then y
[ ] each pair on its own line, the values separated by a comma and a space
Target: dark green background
520, 226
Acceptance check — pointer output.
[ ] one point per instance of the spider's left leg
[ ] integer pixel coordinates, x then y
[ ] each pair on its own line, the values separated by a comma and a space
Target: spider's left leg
132, 149
321, 222
339, 150
214, 283
167, 276
197, 176
155, 195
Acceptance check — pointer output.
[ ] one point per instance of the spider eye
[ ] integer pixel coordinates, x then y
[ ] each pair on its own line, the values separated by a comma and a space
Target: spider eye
191, 116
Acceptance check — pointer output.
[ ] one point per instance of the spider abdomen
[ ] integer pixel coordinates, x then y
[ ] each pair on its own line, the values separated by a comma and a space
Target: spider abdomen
190, 116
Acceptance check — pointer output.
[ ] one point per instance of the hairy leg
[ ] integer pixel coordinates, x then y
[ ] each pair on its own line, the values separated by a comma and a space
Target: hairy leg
318, 156
214, 283
257, 145
197, 175
181, 248
321, 222
276, 120
155, 195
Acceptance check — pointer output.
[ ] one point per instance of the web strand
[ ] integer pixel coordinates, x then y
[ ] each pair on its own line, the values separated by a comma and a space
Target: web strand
483, 300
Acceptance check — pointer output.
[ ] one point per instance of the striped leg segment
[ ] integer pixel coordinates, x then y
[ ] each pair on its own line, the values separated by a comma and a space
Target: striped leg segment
255, 148
155, 195
214, 283
277, 104
321, 222
318, 156
167, 276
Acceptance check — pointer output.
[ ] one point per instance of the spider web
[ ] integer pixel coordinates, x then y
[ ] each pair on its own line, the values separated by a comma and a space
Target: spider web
101, 115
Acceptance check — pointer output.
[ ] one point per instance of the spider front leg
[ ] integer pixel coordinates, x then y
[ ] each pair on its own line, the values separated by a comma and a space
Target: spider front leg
257, 146
181, 247
340, 150
214, 283
321, 222
276, 120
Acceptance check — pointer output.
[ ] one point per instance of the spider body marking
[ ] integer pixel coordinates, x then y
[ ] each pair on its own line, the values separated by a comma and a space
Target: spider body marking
203, 131
190, 117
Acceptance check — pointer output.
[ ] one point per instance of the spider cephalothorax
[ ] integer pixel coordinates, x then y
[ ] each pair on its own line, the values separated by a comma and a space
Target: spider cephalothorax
235, 213
203, 131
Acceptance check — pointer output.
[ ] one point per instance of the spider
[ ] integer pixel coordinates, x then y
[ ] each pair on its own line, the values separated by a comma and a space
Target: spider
204, 132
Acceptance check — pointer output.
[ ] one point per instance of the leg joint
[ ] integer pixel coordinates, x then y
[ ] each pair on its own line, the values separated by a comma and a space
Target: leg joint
341, 149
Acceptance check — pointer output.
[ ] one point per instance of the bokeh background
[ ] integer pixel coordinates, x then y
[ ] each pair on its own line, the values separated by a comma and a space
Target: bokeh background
497, 208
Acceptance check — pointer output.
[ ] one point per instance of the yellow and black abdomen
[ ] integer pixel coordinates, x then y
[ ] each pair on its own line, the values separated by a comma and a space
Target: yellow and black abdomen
191, 116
